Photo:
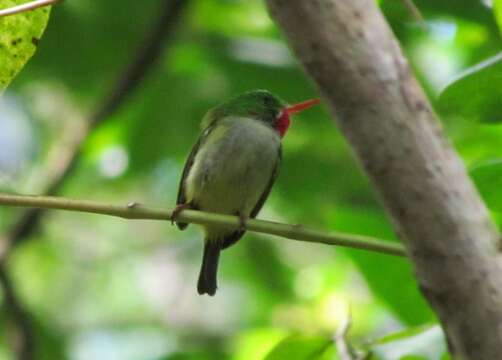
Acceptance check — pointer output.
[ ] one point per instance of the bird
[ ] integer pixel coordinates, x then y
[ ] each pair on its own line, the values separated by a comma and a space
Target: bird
232, 168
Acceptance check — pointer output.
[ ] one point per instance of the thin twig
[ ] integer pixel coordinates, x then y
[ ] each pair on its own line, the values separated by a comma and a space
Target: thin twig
136, 211
32, 5
342, 345
344, 349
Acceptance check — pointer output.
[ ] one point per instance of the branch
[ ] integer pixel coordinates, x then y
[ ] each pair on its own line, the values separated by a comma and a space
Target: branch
135, 211
27, 7
349, 50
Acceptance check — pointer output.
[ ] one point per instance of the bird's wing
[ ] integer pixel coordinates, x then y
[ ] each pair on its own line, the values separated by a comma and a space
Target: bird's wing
271, 182
181, 199
236, 235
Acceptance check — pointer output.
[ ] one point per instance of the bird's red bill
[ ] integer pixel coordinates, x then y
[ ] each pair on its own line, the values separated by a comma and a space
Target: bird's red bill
295, 108
283, 121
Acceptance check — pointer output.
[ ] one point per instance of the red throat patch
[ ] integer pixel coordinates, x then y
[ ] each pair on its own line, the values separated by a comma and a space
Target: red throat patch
283, 123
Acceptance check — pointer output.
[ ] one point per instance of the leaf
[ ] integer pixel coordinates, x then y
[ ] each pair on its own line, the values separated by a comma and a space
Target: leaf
19, 36
300, 347
476, 92
256, 343
424, 343
497, 9
488, 180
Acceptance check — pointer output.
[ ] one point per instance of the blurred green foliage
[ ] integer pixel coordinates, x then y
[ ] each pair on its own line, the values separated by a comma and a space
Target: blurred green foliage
101, 288
482, 82
299, 347
424, 342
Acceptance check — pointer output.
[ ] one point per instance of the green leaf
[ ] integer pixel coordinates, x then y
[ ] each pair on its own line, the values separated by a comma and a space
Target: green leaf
256, 343
424, 343
488, 180
476, 92
19, 36
300, 347
497, 9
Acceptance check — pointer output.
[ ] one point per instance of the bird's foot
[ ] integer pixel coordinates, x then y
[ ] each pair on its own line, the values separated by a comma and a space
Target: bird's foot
243, 218
179, 208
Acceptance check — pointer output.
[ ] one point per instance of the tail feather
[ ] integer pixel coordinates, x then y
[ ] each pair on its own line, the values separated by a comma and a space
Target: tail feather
207, 283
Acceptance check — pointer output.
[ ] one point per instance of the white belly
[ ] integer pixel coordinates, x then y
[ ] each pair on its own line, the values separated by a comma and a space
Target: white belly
233, 167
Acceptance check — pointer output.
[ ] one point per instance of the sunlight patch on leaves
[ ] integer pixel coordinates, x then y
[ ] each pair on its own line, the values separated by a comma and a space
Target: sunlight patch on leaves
300, 347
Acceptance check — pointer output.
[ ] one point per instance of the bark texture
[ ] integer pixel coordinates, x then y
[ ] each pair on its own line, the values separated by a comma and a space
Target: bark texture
349, 50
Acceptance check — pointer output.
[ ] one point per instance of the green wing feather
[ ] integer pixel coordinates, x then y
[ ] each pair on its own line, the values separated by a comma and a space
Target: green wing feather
181, 198
265, 194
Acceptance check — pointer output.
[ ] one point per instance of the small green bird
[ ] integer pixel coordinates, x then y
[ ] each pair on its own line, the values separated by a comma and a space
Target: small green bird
232, 168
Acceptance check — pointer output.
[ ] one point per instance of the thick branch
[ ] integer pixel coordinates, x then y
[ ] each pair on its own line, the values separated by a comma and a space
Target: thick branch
136, 211
351, 53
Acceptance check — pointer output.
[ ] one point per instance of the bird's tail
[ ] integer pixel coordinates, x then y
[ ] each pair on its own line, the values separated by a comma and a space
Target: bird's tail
208, 271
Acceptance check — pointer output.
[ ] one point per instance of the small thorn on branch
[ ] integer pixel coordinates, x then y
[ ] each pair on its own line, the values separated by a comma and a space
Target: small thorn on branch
132, 205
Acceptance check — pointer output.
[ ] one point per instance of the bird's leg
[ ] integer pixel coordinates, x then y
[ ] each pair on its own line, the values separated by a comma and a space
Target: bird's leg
179, 208
243, 218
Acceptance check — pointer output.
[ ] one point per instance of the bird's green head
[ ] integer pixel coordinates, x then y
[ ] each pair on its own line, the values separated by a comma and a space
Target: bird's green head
260, 104
264, 106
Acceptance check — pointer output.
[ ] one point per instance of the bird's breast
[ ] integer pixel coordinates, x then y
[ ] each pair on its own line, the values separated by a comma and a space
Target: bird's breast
233, 167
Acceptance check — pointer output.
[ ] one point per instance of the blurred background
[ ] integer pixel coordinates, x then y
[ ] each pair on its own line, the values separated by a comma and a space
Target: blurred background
96, 287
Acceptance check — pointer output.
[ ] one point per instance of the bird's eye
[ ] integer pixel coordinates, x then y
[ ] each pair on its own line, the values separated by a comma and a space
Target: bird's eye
279, 114
267, 101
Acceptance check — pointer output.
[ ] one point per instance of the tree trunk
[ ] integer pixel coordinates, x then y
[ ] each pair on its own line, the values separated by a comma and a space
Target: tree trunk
349, 50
